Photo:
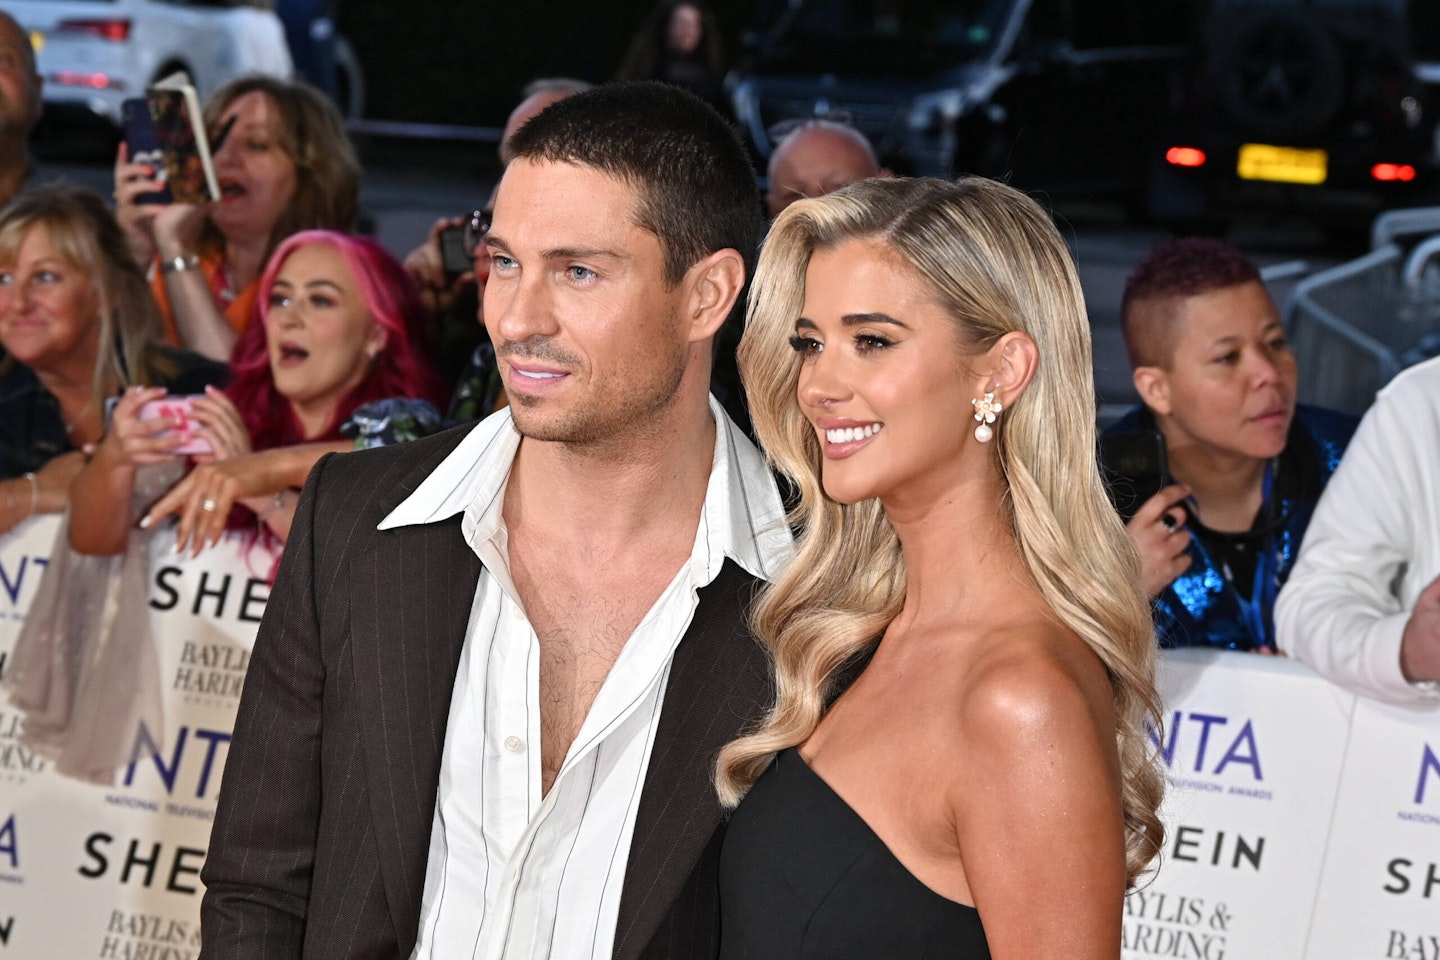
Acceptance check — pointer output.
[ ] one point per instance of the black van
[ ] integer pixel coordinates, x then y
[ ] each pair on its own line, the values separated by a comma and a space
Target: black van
1326, 108
1064, 95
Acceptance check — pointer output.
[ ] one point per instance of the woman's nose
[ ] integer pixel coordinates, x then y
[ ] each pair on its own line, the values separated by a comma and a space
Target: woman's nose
820, 385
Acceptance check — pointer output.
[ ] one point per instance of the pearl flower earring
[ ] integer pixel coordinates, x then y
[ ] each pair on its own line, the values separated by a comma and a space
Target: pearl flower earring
985, 409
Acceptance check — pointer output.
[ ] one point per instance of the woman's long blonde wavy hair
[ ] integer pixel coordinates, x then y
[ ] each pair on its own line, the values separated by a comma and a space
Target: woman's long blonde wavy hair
997, 264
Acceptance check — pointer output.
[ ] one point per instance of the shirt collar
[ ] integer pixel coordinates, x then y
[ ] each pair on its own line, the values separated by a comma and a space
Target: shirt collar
742, 517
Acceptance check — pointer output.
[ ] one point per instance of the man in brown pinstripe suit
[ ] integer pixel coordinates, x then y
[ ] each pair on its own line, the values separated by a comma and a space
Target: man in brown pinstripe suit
497, 664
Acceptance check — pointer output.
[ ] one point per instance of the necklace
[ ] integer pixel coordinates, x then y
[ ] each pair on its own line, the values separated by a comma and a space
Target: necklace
72, 425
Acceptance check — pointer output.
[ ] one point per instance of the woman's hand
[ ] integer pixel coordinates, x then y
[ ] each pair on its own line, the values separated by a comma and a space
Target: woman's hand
136, 219
1159, 534
203, 501
252, 479
177, 228
131, 441
221, 424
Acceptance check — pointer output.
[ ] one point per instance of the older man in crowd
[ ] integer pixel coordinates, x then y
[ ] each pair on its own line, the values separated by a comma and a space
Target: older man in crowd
816, 158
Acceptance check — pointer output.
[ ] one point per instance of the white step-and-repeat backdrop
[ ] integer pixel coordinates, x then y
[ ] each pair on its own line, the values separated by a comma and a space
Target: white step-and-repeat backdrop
113, 871
1303, 823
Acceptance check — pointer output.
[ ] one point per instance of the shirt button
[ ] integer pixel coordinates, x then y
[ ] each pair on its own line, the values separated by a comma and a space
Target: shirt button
518, 613
514, 744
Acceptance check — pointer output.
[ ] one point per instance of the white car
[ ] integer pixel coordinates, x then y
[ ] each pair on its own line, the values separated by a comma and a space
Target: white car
93, 54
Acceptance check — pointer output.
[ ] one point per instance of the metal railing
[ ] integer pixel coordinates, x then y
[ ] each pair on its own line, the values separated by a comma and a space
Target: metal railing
1356, 325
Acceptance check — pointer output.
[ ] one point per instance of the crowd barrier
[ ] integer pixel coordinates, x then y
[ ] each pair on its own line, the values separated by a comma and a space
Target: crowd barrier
1302, 823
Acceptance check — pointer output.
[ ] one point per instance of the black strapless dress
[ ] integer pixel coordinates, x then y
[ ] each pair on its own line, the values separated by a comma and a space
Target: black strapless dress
802, 877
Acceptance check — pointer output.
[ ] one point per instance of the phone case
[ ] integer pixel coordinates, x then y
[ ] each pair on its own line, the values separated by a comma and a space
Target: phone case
142, 146
179, 408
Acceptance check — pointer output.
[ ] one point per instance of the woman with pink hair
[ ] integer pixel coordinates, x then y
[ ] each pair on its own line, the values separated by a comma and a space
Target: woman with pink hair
336, 361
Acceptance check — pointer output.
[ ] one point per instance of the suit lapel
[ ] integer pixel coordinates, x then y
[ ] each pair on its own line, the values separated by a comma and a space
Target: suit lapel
410, 599
719, 685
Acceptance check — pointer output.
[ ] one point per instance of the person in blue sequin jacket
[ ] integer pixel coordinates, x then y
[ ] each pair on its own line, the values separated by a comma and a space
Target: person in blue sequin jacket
1243, 464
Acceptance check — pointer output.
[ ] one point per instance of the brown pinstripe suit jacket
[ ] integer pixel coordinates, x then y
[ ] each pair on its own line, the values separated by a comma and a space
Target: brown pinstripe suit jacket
321, 836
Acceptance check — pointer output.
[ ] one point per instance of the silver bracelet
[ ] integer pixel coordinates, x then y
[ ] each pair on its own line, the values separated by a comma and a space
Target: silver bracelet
34, 494
180, 264
276, 502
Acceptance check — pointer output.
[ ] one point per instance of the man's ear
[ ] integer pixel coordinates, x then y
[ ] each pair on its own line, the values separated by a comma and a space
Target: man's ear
1013, 361
1153, 385
714, 284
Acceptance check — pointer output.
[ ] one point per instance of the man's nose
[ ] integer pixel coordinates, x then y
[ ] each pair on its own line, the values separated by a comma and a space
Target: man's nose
521, 308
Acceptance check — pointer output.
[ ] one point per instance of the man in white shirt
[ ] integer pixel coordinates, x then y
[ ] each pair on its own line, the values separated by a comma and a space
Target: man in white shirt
497, 664
1362, 606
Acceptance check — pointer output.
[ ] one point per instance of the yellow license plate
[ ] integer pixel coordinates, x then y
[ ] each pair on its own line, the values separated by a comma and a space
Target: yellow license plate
1259, 161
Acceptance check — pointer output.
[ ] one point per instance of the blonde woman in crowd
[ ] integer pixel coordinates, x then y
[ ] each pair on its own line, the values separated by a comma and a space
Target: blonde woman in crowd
917, 356
77, 326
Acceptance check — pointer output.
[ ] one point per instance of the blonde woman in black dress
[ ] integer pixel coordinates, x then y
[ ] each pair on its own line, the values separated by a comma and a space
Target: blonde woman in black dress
917, 357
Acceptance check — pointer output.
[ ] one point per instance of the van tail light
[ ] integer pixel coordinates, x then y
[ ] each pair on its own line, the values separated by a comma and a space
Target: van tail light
1393, 172
115, 29
1185, 157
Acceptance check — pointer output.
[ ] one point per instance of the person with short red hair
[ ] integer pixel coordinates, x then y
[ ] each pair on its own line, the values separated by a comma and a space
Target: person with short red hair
1246, 464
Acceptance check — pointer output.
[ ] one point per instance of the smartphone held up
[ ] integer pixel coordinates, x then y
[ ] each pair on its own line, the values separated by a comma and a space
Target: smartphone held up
186, 429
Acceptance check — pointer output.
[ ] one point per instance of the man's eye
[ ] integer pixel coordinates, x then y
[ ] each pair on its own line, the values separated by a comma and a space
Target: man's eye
580, 273
500, 263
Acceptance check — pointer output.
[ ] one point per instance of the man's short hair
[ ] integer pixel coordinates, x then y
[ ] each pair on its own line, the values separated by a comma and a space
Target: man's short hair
1174, 270
696, 187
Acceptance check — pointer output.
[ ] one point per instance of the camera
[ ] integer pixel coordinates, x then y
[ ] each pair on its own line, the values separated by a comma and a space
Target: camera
452, 251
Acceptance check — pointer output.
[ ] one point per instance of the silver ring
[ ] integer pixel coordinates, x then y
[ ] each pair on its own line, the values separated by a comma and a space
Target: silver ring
208, 505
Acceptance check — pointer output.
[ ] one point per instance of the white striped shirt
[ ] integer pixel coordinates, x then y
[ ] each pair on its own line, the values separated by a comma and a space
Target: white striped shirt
511, 874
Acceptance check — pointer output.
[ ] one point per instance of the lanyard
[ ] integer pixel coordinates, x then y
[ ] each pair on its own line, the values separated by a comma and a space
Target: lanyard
1264, 589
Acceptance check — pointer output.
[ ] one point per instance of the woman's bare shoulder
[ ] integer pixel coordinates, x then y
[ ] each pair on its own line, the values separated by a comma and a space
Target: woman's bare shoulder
1033, 682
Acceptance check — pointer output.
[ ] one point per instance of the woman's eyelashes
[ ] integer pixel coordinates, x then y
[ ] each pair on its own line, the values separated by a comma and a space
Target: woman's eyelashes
803, 344
864, 343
